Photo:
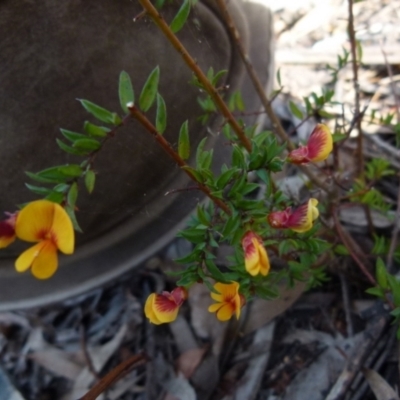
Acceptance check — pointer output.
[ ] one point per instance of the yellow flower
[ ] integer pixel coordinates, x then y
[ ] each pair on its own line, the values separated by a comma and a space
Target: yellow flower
318, 147
163, 308
255, 256
229, 301
48, 224
7, 230
299, 220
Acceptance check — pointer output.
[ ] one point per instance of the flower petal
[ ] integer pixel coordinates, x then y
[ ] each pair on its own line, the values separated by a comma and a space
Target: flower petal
215, 307
62, 230
299, 156
164, 309
302, 218
148, 310
25, 260
34, 221
264, 261
279, 219
45, 264
225, 312
320, 143
227, 290
7, 233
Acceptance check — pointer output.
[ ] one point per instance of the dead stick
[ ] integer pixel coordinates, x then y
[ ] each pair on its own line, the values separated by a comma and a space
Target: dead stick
115, 375
355, 362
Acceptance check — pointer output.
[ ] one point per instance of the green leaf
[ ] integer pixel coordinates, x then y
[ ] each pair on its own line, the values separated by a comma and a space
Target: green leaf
195, 173
94, 130
69, 149
87, 144
341, 249
295, 110
161, 117
41, 191
181, 16
337, 137
149, 91
57, 174
71, 213
55, 197
184, 143
125, 91
381, 274
72, 195
37, 178
278, 77
72, 136
267, 292
70, 170
100, 113
376, 291
218, 76
90, 179
215, 272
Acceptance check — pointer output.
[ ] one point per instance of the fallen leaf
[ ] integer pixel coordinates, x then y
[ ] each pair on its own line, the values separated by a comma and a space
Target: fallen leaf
382, 390
263, 311
179, 388
57, 362
188, 361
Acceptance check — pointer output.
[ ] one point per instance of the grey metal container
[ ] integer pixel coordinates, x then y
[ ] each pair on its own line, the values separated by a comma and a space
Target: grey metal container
52, 53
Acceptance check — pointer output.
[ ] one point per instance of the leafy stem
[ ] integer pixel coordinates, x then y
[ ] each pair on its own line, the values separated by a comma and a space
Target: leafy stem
167, 147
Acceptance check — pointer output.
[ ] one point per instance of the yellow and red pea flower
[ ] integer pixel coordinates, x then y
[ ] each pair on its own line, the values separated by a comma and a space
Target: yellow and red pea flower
318, 147
229, 301
255, 256
163, 308
299, 219
7, 230
49, 225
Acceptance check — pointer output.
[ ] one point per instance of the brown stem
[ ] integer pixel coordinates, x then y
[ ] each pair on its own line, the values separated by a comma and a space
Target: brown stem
352, 247
356, 254
114, 375
208, 87
356, 85
276, 124
167, 147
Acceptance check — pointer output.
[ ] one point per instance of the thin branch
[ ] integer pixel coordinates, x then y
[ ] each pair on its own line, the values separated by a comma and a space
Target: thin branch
191, 63
352, 247
88, 358
115, 375
276, 124
167, 147
356, 85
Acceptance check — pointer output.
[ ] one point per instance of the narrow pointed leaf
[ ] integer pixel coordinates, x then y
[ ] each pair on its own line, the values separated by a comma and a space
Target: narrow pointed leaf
181, 16
72, 136
41, 191
87, 144
149, 91
72, 194
94, 130
161, 117
100, 113
69, 149
71, 213
184, 144
125, 91
90, 179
